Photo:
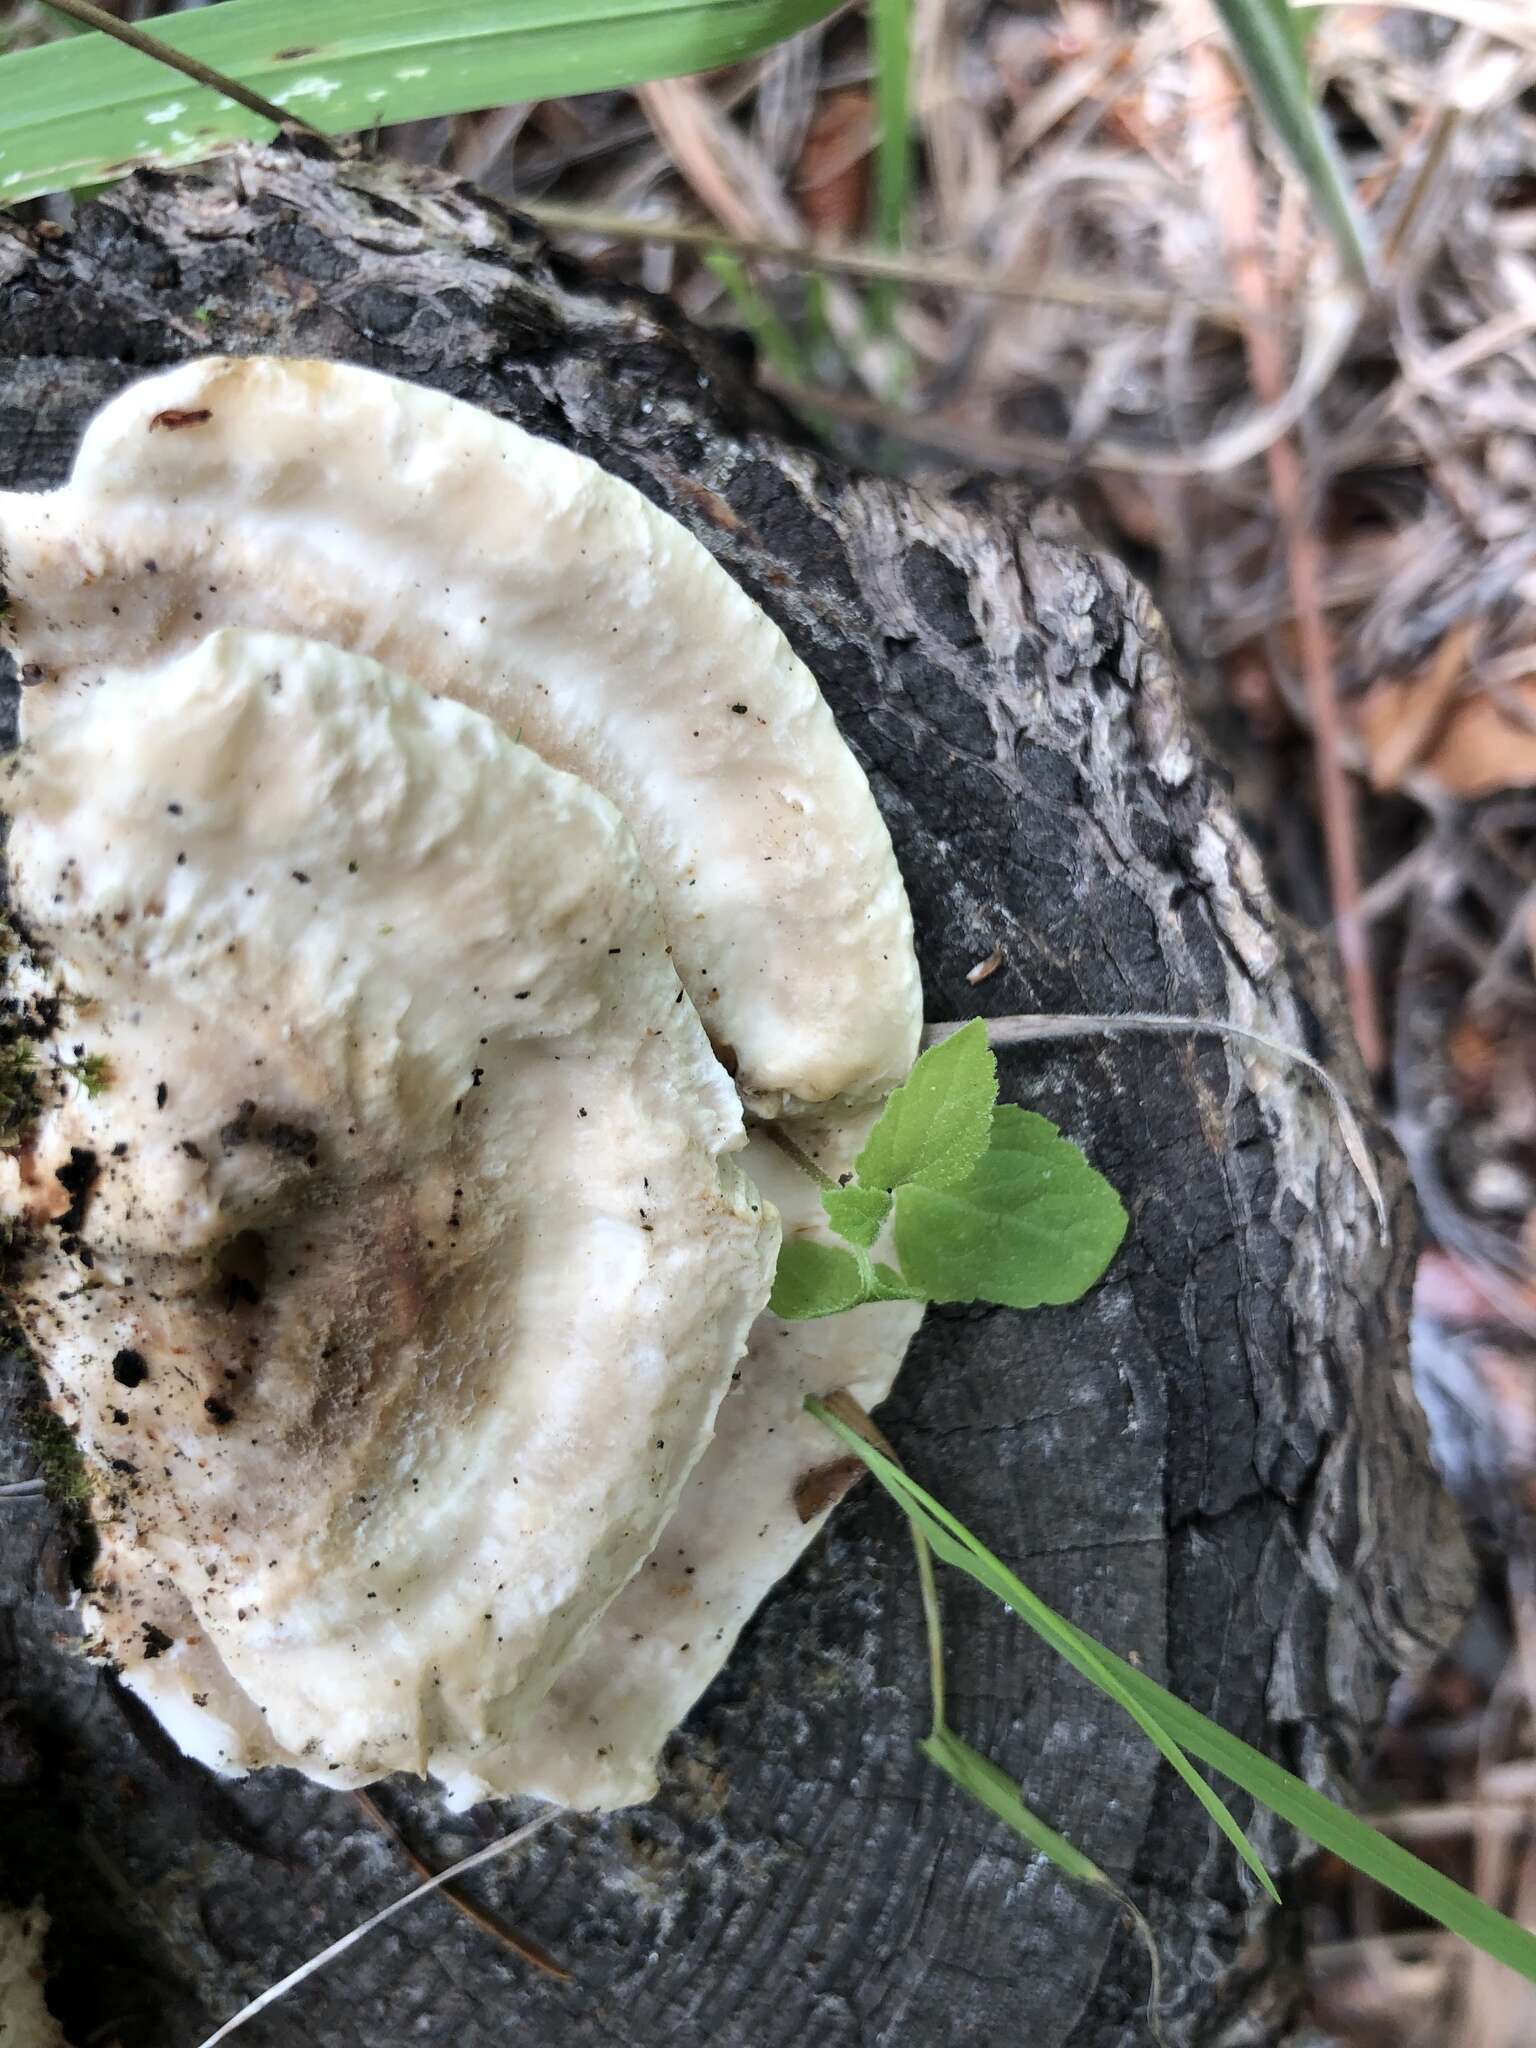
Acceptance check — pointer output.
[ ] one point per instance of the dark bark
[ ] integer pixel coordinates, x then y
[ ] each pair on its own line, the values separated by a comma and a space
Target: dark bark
1212, 1462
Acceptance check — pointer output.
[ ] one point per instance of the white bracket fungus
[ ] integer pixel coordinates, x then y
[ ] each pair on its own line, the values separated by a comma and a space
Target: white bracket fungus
395, 1276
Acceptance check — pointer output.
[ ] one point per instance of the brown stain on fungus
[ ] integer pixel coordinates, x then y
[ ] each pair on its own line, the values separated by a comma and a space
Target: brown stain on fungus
172, 418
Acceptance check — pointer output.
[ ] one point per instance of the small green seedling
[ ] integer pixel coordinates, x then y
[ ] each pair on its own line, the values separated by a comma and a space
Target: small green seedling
986, 1202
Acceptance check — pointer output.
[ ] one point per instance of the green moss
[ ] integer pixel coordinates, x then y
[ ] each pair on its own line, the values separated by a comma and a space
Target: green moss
94, 1073
63, 1468
19, 1102
18, 1082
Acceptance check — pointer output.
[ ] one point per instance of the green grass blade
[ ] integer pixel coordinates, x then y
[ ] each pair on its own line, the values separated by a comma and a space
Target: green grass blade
889, 33
1331, 1826
953, 1542
980, 1778
992, 1788
775, 343
1334, 1828
778, 346
86, 109
1268, 39
1083, 1657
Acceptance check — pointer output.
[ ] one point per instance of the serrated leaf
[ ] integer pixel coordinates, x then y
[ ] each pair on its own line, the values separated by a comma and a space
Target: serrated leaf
937, 1125
814, 1280
996, 1791
856, 1213
1032, 1224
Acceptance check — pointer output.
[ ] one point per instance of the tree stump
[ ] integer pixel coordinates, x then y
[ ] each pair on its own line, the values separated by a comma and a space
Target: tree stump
1213, 1463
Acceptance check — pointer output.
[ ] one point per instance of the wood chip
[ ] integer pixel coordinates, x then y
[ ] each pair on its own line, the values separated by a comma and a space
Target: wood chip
824, 1486
832, 176
1407, 724
1482, 746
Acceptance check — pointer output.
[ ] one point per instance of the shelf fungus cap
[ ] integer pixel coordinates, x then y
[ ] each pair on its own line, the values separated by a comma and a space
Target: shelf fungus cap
528, 582
396, 1263
394, 1278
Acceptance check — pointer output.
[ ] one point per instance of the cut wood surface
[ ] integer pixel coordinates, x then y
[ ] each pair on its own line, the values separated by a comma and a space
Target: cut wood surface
1212, 1463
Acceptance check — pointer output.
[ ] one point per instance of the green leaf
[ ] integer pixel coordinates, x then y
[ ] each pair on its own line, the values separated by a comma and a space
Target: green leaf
890, 35
1268, 40
1331, 1826
85, 109
890, 1286
937, 1124
1033, 1223
814, 1280
856, 1213
995, 1790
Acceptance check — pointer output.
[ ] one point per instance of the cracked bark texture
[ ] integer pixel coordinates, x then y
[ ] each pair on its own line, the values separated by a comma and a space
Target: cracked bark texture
1214, 1463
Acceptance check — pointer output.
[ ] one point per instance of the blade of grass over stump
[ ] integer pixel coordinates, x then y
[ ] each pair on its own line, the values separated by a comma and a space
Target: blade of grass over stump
1331, 1826
980, 1779
84, 109
992, 1788
951, 1541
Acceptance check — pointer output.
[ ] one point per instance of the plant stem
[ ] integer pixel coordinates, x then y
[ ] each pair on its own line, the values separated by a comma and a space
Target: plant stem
761, 320
778, 1136
520, 1944
933, 1622
854, 260
853, 1415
